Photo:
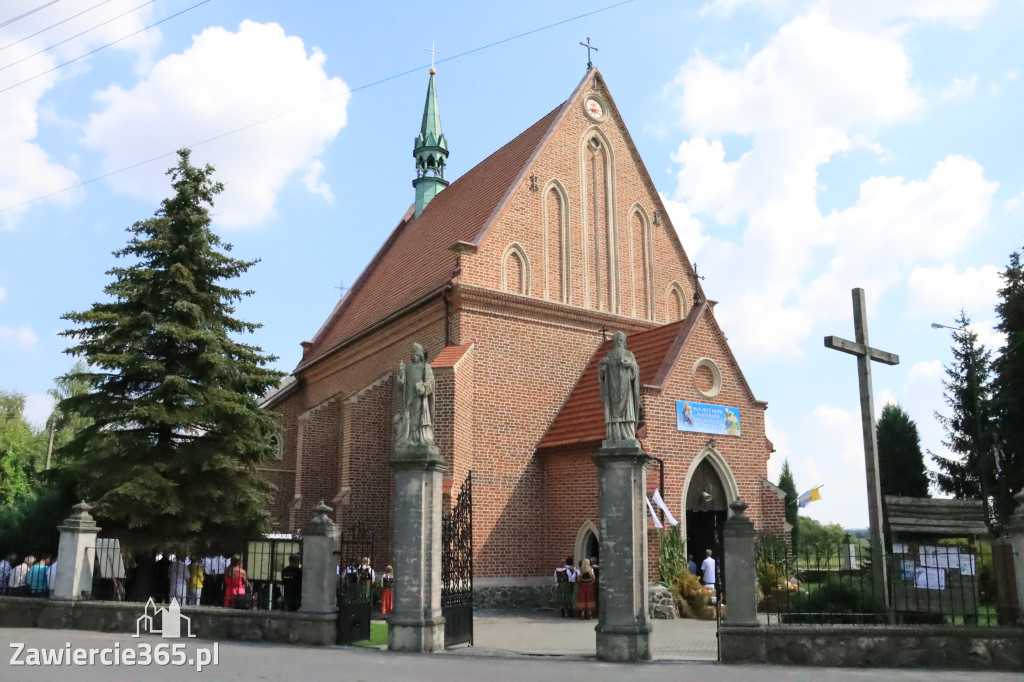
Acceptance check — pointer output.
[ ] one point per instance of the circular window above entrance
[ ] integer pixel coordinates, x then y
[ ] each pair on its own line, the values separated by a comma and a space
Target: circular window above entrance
707, 378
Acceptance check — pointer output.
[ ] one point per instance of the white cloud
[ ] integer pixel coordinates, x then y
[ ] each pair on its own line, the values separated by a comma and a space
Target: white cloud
959, 13
810, 74
38, 407
781, 442
961, 87
313, 182
22, 338
1013, 202
222, 81
988, 335
3, 294
28, 171
829, 451
942, 291
926, 370
689, 229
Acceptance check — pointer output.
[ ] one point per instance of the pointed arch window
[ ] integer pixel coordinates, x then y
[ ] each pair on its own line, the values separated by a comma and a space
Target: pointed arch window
515, 270
556, 242
676, 302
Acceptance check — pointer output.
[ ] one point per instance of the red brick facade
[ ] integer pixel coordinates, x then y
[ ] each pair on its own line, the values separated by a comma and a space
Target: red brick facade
573, 241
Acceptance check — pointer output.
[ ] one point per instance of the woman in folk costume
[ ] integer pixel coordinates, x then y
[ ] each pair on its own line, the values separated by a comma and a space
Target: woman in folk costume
366, 579
586, 581
565, 587
234, 583
387, 593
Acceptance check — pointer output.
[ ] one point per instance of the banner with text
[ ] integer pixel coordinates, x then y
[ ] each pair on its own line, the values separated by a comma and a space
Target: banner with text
702, 418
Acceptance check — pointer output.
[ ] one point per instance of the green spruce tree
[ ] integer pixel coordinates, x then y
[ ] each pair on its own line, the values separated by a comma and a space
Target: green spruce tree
1007, 462
900, 460
968, 428
174, 431
788, 486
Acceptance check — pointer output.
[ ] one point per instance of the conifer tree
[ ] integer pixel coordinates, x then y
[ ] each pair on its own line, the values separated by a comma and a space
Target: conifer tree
788, 486
174, 431
900, 460
1008, 393
968, 428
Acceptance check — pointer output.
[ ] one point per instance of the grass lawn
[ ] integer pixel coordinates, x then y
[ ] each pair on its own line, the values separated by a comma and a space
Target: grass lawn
378, 635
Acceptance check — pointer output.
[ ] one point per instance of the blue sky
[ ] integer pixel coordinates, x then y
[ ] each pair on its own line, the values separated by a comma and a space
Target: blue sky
804, 148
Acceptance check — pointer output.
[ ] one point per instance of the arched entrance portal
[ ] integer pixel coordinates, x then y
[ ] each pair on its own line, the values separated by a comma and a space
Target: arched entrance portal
587, 545
706, 511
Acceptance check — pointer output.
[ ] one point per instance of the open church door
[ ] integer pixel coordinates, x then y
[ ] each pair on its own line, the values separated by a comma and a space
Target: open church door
706, 511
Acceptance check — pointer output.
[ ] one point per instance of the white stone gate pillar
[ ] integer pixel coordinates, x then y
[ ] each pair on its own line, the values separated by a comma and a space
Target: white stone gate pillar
320, 563
76, 554
624, 625
740, 594
1016, 531
416, 623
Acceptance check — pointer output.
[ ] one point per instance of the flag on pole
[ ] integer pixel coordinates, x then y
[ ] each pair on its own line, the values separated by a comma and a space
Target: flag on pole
657, 523
660, 501
811, 495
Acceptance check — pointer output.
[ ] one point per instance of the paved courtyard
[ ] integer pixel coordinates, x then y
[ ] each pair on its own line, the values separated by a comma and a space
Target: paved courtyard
547, 634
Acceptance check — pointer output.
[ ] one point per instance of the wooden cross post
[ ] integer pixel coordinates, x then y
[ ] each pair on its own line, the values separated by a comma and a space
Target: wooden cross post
865, 354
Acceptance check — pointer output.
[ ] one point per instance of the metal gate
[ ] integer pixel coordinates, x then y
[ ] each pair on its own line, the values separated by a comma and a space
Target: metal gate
354, 598
457, 568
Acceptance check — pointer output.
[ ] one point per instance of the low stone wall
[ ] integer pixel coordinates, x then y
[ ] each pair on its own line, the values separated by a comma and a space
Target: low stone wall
543, 598
207, 622
515, 598
983, 648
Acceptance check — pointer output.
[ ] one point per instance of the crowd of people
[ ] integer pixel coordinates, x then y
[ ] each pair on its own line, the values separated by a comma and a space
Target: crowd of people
360, 583
220, 580
26, 576
576, 588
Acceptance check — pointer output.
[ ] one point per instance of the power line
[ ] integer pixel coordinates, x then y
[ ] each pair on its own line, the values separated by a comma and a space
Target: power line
62, 21
25, 14
77, 35
92, 52
307, 106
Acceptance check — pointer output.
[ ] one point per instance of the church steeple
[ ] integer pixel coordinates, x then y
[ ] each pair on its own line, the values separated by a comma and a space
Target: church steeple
431, 152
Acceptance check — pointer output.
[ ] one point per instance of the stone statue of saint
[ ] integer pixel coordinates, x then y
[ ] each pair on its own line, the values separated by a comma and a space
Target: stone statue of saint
619, 378
414, 424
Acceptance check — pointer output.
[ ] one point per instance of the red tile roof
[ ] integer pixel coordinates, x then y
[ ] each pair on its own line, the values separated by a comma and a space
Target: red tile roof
416, 259
450, 356
581, 419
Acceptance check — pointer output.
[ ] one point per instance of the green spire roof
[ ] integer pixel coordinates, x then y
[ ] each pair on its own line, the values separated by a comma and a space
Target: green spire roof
430, 148
430, 130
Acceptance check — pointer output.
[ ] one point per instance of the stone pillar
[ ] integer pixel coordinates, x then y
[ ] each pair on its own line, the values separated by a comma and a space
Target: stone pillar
624, 625
416, 623
740, 593
320, 563
1015, 529
76, 554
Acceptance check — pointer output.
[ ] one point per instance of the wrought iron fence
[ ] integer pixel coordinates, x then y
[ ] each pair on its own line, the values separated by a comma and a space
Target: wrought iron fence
927, 584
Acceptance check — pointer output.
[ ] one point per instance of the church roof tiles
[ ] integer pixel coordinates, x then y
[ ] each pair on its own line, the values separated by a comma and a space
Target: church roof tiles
581, 419
416, 260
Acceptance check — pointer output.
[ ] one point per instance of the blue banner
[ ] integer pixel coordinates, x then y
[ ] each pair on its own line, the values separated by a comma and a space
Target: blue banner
702, 418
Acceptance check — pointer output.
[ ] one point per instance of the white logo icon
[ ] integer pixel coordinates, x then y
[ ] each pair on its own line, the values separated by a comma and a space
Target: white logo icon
170, 623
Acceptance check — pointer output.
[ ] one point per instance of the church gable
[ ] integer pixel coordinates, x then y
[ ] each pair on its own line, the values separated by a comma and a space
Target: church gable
584, 224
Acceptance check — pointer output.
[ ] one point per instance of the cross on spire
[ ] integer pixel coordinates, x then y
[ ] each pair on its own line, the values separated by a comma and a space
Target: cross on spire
589, 47
433, 52
865, 354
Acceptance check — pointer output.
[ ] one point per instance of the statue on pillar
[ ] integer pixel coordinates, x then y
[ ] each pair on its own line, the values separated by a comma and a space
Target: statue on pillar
414, 424
619, 379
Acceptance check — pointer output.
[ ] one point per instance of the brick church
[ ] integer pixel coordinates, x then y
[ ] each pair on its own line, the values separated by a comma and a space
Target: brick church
513, 278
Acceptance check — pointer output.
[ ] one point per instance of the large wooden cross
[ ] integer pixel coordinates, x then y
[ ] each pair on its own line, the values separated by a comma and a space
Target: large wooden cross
865, 354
